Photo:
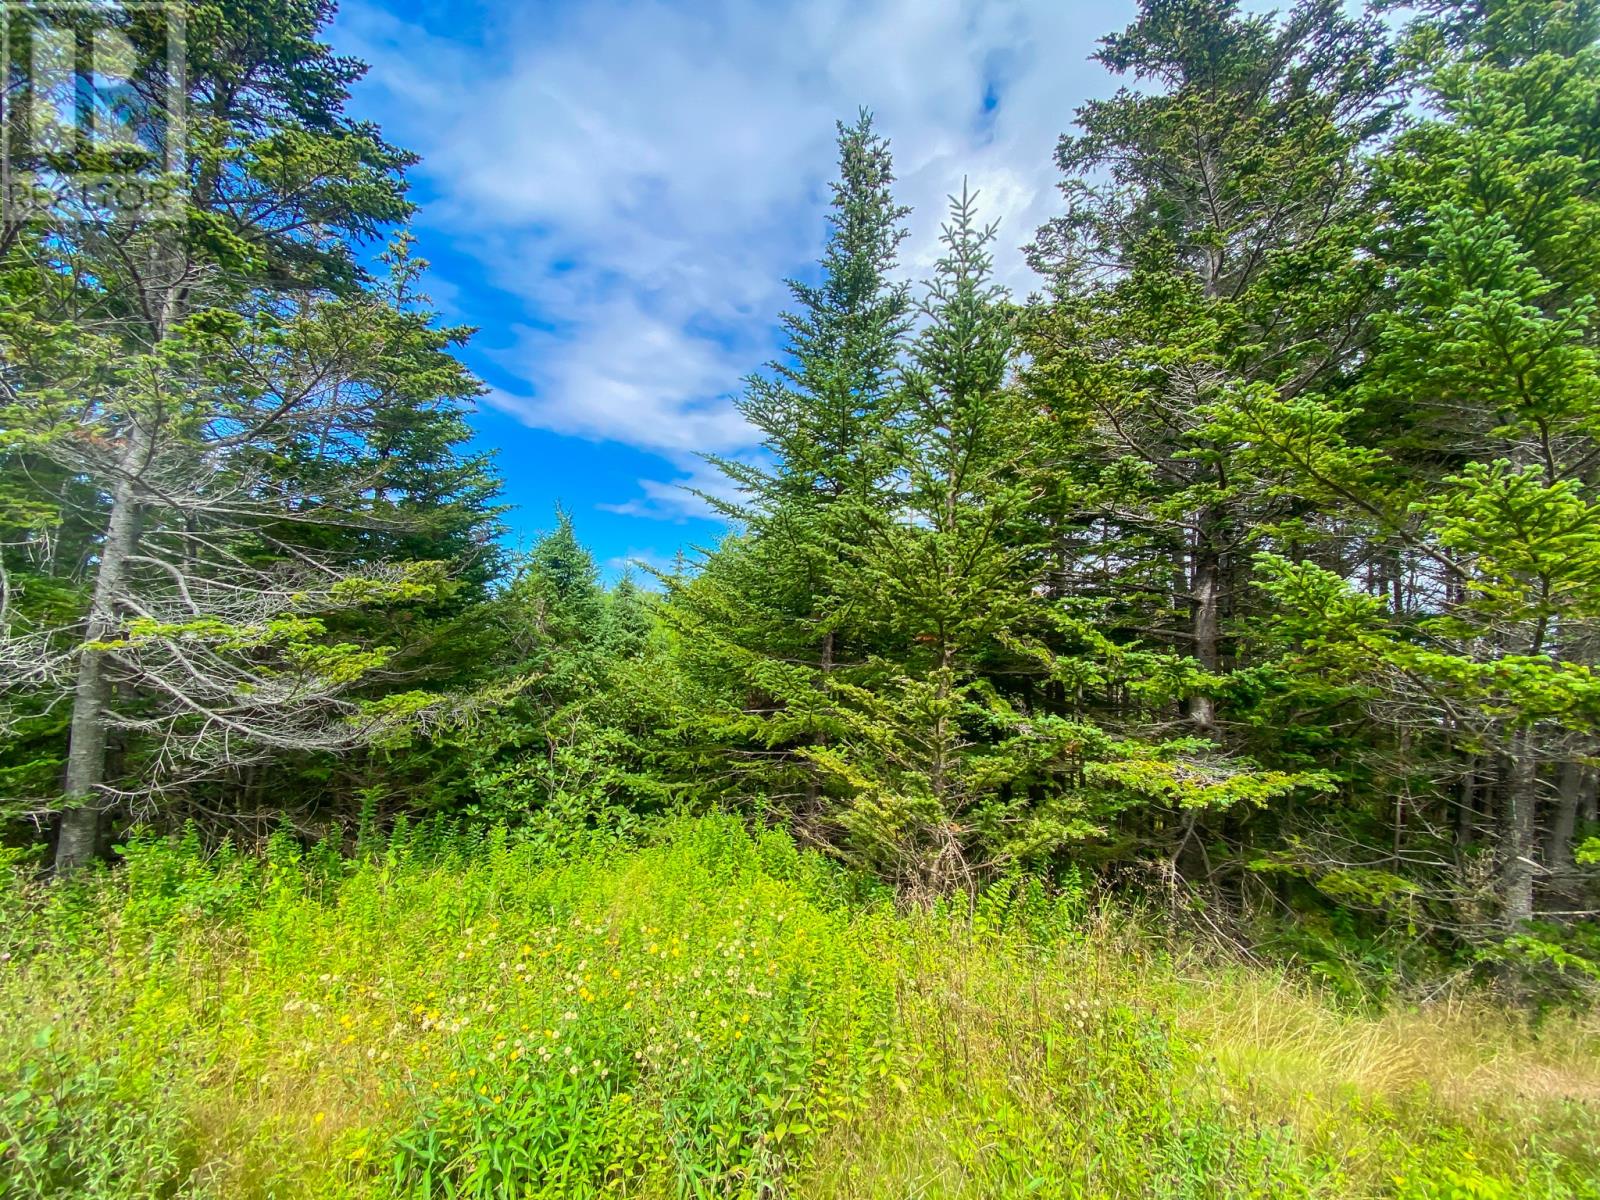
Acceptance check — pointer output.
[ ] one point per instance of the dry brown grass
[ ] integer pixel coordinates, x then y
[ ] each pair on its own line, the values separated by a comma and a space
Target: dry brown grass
1461, 1049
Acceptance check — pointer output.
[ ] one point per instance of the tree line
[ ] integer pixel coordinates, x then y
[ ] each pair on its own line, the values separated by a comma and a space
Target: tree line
1254, 554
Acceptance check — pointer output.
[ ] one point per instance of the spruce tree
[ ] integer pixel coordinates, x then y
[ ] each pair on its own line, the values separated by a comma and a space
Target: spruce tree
774, 597
262, 428
1214, 253
1470, 444
949, 762
1211, 246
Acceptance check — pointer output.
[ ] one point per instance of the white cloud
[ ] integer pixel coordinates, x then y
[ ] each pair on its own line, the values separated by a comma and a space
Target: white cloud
643, 175
687, 495
630, 375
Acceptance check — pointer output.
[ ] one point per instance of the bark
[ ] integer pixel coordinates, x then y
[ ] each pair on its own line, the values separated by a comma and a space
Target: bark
1205, 595
87, 745
813, 788
1467, 809
1517, 841
1571, 788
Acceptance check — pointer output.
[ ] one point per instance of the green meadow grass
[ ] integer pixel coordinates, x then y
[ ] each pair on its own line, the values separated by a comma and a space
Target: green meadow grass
716, 1014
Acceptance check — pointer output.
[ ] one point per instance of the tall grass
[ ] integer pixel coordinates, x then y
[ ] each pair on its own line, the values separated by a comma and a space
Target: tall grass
715, 1014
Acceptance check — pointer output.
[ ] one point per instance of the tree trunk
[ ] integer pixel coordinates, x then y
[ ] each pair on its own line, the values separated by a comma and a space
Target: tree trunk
1205, 595
86, 749
1467, 808
1517, 836
813, 787
1570, 790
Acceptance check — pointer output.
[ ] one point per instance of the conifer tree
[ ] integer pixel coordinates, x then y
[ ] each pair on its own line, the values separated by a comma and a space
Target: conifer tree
1210, 247
946, 766
940, 582
1470, 444
235, 396
774, 598
1214, 253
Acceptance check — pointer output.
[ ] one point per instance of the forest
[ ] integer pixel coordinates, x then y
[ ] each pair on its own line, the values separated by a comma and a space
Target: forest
1140, 738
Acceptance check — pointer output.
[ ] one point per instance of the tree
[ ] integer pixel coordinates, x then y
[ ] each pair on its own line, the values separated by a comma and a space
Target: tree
220, 387
948, 764
1211, 248
941, 582
824, 412
1470, 443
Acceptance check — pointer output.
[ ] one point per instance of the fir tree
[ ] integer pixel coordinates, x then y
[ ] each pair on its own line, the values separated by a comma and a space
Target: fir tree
825, 412
237, 394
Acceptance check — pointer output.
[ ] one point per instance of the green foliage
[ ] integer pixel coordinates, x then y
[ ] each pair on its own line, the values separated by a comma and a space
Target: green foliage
461, 1012
1254, 565
227, 440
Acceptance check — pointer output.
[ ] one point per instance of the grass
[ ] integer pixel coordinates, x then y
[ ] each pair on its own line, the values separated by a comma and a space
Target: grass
716, 1014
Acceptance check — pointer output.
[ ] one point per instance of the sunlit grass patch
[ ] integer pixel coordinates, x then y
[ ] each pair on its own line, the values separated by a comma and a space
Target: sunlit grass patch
714, 1014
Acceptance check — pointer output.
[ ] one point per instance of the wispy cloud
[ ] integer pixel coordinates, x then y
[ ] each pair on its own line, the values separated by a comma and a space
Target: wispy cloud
639, 177
687, 495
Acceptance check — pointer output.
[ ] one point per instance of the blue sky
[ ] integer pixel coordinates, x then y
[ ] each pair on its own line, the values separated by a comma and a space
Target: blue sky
613, 192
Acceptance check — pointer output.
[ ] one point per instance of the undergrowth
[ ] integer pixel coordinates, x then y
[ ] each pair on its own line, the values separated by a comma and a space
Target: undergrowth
715, 1014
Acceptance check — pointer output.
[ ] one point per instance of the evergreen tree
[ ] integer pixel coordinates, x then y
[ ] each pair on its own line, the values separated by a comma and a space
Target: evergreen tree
947, 762
941, 583
825, 413
1214, 255
228, 389
1210, 248
1470, 444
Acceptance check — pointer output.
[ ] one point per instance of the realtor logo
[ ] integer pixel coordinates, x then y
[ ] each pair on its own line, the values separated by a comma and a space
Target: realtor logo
92, 103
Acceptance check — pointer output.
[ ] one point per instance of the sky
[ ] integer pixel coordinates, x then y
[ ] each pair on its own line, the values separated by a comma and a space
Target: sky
613, 193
